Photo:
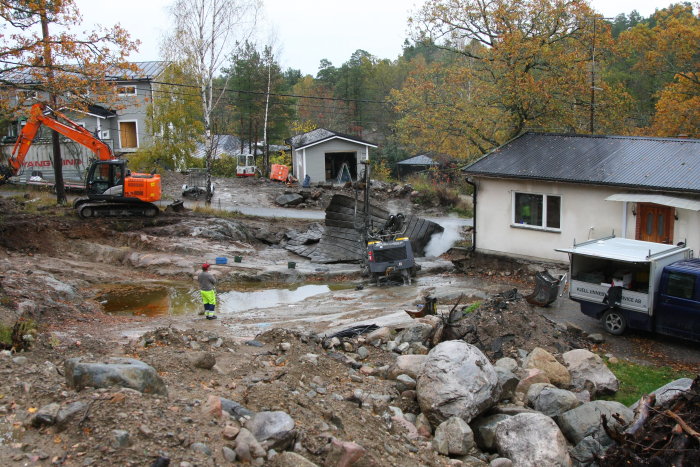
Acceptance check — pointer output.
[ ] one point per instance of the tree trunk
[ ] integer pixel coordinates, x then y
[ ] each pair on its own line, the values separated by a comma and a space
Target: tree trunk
56, 144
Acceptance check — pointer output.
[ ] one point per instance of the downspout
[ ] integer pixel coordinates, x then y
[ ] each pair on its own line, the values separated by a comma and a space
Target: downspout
469, 181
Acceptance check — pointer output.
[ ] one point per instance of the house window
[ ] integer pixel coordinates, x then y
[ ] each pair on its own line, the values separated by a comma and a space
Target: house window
127, 135
126, 90
27, 94
537, 211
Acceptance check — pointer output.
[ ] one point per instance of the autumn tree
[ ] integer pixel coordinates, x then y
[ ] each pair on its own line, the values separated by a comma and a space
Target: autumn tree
174, 119
666, 49
205, 33
40, 52
523, 64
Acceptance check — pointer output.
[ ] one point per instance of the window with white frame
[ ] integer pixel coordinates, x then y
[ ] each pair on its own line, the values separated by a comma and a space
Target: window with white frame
126, 90
537, 211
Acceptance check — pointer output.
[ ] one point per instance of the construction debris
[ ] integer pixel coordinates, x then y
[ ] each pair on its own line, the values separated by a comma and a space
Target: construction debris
342, 239
661, 435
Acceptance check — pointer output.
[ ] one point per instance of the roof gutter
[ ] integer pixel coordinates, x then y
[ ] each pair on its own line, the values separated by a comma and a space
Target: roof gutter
469, 181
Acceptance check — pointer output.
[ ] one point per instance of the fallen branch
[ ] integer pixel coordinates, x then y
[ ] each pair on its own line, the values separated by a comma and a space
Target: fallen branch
683, 425
641, 414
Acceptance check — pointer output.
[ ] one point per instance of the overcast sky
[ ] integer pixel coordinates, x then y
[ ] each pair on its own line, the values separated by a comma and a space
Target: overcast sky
306, 31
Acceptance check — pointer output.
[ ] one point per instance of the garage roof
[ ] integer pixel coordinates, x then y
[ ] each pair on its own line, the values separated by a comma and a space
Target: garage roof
321, 135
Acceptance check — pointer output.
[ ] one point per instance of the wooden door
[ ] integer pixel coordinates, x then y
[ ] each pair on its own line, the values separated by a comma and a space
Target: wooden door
127, 135
655, 223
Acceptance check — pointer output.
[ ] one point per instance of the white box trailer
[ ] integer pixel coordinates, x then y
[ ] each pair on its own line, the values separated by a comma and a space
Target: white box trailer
618, 279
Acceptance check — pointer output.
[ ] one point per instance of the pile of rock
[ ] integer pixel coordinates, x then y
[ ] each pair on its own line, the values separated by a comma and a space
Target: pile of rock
538, 411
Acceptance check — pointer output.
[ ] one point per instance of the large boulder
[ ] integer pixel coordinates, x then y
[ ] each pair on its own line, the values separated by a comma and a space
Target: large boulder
669, 391
417, 332
554, 401
289, 199
585, 420
507, 381
588, 371
122, 372
273, 430
530, 377
453, 437
532, 439
587, 451
485, 430
457, 381
411, 365
557, 373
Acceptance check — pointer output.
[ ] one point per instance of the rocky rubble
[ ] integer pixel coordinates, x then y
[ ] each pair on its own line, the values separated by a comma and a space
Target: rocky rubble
389, 397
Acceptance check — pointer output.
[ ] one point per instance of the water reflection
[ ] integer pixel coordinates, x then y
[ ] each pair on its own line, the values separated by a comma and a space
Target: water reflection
233, 301
166, 299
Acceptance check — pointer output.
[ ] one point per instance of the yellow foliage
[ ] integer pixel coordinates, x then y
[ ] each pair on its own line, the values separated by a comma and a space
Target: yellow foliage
678, 110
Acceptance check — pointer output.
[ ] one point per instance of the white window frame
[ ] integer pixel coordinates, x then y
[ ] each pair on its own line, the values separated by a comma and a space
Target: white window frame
27, 94
125, 86
543, 227
119, 133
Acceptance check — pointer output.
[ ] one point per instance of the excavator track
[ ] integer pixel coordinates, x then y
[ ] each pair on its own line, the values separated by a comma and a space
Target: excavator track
87, 210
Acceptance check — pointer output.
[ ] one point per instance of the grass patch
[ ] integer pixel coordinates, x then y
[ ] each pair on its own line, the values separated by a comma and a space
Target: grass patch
210, 211
5, 337
474, 306
637, 380
37, 202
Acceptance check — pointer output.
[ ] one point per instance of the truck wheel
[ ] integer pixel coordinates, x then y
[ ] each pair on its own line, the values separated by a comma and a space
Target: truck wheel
614, 321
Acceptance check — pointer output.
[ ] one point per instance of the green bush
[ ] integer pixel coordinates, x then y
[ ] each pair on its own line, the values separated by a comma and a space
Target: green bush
224, 166
435, 189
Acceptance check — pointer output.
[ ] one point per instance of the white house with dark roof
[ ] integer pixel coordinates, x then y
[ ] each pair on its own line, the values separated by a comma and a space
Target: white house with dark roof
328, 156
539, 192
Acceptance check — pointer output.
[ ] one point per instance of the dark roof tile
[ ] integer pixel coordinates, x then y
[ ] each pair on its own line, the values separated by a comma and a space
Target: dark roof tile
654, 163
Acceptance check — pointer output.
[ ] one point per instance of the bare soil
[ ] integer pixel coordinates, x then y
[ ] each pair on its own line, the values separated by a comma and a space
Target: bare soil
51, 263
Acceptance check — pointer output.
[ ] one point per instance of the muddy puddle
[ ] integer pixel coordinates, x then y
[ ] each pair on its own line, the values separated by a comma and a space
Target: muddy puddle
154, 300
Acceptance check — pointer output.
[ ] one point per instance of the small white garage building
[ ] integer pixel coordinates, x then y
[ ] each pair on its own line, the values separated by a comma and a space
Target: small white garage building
539, 192
327, 156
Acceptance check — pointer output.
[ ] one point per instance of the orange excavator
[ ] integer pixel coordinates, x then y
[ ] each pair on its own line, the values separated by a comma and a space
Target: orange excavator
110, 187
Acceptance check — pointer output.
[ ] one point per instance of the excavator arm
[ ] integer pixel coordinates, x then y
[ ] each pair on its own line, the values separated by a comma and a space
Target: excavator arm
38, 116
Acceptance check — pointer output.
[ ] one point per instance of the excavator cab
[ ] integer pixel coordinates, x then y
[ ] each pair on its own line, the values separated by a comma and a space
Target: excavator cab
106, 178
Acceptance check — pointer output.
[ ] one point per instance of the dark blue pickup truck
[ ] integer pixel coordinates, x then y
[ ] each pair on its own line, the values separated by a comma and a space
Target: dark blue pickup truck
637, 285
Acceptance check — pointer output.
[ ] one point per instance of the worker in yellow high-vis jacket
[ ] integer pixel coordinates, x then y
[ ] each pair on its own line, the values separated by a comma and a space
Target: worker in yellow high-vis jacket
207, 287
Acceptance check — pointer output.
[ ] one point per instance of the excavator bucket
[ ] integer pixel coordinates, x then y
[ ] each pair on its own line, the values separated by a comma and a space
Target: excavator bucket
546, 290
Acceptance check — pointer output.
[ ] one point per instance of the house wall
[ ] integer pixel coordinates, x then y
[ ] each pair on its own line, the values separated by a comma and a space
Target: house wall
312, 160
132, 109
585, 215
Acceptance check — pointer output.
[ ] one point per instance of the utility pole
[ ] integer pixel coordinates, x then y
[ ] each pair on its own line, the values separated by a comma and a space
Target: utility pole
593, 88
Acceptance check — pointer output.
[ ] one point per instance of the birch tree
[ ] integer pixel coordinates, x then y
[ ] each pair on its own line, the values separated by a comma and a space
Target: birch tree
206, 32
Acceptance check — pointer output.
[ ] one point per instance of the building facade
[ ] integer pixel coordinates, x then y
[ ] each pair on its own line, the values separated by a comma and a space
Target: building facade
327, 156
545, 191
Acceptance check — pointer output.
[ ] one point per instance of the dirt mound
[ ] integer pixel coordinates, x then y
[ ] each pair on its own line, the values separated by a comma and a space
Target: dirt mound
505, 323
669, 436
326, 394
